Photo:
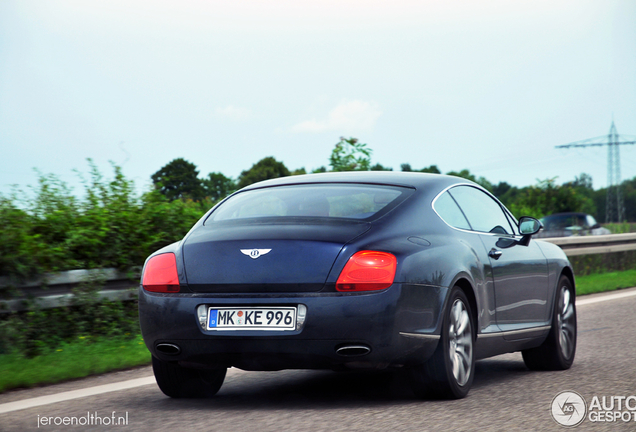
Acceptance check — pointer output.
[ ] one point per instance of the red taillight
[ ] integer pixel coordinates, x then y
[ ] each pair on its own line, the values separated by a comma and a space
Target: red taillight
367, 271
160, 274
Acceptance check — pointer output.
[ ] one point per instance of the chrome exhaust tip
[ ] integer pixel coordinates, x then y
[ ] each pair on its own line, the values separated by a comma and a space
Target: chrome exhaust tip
168, 348
353, 350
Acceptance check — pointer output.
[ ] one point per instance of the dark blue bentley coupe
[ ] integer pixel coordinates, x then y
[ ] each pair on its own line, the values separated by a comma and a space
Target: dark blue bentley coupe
356, 270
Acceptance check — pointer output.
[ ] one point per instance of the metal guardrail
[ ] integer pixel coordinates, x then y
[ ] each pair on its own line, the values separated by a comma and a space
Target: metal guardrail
54, 290
592, 245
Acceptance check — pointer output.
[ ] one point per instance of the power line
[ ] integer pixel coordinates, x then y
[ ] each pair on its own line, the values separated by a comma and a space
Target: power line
614, 204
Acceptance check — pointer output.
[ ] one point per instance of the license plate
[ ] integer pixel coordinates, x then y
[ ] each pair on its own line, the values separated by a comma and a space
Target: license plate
237, 318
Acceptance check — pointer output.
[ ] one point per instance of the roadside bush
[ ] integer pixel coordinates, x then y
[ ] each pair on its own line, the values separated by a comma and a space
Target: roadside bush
621, 228
584, 265
20, 248
35, 332
52, 230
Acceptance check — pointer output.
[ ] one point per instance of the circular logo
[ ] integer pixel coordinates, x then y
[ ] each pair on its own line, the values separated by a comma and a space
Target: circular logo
568, 408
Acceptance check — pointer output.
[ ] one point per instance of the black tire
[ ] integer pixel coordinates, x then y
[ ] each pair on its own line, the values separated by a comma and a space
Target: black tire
558, 350
179, 382
449, 373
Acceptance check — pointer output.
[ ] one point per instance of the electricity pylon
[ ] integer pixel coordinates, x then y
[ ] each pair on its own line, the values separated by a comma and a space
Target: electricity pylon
614, 206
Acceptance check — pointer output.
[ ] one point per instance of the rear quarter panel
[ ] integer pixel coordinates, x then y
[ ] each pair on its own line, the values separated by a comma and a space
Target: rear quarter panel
558, 264
429, 253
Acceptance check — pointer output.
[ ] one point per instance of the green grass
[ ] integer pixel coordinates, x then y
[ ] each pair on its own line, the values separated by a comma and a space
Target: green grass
85, 357
602, 282
72, 360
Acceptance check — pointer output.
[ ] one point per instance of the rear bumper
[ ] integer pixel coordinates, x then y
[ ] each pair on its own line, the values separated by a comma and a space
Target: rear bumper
399, 326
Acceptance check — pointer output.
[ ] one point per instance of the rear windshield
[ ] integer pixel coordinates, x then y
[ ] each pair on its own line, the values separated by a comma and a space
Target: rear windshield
316, 200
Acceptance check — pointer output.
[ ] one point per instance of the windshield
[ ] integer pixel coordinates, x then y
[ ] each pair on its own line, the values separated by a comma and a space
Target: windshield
349, 201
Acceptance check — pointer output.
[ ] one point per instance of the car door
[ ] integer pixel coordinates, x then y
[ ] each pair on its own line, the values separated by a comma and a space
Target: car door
519, 273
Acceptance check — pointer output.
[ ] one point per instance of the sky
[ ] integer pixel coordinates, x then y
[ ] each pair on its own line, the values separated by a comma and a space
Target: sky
488, 86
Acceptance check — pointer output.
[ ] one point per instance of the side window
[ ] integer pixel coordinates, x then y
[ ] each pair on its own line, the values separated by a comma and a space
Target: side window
484, 213
447, 209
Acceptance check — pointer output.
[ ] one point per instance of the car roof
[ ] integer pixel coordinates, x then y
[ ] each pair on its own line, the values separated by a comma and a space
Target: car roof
408, 179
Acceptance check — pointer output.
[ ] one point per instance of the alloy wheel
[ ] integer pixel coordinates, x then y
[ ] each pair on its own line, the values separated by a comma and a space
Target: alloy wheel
566, 322
461, 342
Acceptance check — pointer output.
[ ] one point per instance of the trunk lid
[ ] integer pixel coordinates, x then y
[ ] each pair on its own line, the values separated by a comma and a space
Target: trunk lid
270, 256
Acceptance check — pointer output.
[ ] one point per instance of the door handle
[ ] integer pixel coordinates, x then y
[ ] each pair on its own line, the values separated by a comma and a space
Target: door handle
494, 253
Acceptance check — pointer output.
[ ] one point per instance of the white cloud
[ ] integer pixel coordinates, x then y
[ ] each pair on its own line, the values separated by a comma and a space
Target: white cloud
233, 113
348, 116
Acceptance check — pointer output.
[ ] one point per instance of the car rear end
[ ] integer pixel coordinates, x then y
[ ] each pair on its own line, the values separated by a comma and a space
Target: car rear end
278, 277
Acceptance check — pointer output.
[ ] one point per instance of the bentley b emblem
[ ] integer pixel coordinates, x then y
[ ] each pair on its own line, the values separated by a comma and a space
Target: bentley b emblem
255, 253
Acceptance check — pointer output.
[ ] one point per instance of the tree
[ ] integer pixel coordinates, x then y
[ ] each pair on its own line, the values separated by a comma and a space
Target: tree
629, 197
506, 193
468, 176
628, 190
583, 181
217, 186
432, 169
380, 167
350, 155
501, 189
265, 169
299, 171
179, 180
547, 198
582, 187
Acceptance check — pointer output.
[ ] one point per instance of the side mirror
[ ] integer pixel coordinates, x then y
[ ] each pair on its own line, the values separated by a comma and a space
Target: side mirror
529, 226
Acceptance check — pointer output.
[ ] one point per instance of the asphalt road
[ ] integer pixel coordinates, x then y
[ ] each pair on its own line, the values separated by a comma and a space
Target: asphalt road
505, 395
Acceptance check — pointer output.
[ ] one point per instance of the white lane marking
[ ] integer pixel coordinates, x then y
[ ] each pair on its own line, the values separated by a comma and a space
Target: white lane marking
607, 297
123, 385
75, 394
81, 393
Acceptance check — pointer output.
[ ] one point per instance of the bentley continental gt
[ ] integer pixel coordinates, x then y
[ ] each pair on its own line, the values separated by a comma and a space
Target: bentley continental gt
358, 270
